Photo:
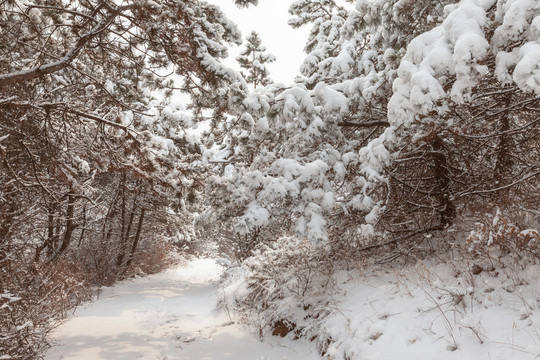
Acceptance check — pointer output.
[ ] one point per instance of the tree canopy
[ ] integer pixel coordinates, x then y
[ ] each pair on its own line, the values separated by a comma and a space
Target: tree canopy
407, 118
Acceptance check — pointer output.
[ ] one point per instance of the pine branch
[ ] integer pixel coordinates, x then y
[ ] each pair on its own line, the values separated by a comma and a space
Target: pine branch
366, 124
63, 62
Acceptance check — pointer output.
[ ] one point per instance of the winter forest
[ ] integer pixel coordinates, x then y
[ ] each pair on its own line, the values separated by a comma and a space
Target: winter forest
405, 156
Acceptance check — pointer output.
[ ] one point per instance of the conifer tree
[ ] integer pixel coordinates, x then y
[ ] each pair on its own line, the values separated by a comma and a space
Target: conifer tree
254, 59
375, 138
97, 163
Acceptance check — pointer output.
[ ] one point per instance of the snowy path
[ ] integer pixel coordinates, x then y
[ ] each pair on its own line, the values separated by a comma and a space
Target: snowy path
171, 315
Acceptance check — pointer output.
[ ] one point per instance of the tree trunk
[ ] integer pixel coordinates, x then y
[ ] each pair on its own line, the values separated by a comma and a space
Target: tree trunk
83, 227
8, 211
125, 238
447, 209
104, 233
51, 236
70, 226
503, 161
136, 240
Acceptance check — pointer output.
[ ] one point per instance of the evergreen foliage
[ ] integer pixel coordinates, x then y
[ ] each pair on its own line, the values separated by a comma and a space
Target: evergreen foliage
254, 59
100, 170
376, 145
408, 118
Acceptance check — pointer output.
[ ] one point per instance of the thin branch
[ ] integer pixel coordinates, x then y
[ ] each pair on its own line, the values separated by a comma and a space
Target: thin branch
69, 11
422, 231
34, 167
69, 110
366, 124
501, 187
42, 70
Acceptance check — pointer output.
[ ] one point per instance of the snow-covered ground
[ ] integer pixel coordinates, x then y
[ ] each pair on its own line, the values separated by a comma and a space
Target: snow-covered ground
436, 311
453, 306
171, 315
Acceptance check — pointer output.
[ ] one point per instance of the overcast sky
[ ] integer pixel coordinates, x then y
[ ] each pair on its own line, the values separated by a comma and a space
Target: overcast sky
269, 19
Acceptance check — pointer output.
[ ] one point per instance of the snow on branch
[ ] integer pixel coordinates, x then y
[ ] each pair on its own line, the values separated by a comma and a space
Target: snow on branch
52, 67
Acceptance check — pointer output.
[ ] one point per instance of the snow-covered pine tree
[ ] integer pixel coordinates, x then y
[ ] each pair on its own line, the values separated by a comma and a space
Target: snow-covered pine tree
453, 90
253, 60
466, 101
368, 44
326, 18
328, 124
102, 115
96, 159
380, 120
372, 42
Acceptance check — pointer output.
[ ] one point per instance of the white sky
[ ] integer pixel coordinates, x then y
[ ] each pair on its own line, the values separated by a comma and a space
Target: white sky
269, 19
